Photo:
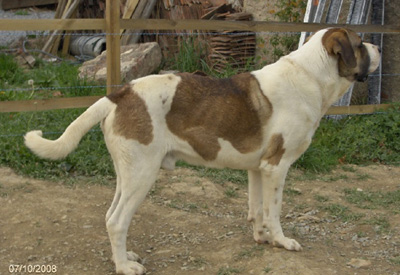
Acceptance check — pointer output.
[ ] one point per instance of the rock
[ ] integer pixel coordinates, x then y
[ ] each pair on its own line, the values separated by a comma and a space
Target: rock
359, 263
137, 60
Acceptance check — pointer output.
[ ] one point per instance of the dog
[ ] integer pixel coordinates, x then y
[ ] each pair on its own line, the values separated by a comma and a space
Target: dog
261, 121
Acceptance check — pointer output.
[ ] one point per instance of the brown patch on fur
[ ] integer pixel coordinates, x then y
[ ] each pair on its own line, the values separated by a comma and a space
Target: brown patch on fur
132, 119
353, 56
275, 150
205, 109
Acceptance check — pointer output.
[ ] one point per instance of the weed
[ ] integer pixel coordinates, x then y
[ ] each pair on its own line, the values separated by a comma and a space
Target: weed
218, 175
228, 270
362, 177
287, 11
395, 260
333, 178
342, 212
381, 224
256, 250
291, 191
22, 12
373, 200
361, 234
317, 159
13, 80
348, 168
320, 198
230, 192
190, 57
267, 269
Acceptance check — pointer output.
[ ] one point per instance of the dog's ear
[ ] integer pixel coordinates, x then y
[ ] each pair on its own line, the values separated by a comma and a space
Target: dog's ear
337, 42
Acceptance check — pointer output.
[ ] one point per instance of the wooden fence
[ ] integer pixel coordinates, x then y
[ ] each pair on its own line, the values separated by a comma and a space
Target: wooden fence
112, 25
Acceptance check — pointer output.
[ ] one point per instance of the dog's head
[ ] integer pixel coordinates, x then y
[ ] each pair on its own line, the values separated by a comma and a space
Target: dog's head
356, 59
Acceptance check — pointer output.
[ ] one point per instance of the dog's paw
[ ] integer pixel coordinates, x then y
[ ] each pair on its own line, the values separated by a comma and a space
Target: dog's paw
130, 268
261, 236
131, 256
287, 243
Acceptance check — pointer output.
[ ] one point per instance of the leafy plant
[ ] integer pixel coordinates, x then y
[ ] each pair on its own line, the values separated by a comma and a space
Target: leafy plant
287, 11
190, 57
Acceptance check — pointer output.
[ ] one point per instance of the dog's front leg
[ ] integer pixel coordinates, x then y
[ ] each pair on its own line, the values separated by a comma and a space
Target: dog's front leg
256, 207
273, 181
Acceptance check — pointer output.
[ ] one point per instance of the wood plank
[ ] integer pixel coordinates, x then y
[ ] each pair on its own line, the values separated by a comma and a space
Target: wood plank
86, 101
356, 109
129, 9
16, 4
51, 24
113, 41
47, 104
164, 24
147, 10
256, 26
70, 9
56, 44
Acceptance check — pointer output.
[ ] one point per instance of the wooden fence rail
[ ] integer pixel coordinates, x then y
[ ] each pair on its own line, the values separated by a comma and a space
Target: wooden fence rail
186, 24
112, 24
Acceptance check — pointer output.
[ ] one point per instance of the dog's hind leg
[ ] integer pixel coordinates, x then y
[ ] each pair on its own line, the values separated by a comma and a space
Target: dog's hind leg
136, 177
117, 194
256, 207
132, 256
273, 181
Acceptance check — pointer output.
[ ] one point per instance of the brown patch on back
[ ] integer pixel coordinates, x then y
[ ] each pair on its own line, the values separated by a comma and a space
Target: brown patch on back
205, 109
275, 150
132, 119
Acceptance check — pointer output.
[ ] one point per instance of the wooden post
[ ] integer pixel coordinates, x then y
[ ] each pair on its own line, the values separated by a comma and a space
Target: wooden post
113, 45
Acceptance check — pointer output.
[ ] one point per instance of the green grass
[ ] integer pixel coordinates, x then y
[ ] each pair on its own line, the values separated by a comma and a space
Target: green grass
90, 159
256, 250
373, 200
228, 271
354, 140
341, 212
395, 260
43, 81
381, 224
218, 175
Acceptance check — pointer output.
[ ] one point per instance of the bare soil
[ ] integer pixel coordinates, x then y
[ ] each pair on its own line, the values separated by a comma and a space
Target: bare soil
189, 225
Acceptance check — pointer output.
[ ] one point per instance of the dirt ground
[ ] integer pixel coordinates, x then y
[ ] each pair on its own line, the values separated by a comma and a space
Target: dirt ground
189, 225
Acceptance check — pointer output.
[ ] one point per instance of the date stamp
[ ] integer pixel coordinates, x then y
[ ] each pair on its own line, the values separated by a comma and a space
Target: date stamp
32, 269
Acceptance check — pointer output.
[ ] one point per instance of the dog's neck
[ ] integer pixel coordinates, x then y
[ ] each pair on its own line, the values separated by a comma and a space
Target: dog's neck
332, 86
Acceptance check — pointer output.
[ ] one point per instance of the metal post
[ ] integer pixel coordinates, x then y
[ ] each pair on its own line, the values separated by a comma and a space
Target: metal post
375, 81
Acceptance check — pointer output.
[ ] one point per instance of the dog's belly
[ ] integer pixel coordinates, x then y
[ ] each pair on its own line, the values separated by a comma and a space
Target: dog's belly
227, 157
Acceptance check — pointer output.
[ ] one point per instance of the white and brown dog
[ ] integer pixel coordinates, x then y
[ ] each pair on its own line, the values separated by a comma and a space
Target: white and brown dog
260, 121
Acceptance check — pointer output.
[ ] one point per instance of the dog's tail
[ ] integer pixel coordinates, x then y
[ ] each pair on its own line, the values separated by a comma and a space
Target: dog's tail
69, 140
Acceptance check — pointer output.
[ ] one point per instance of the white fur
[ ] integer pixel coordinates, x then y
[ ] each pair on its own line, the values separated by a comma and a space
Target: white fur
300, 87
69, 140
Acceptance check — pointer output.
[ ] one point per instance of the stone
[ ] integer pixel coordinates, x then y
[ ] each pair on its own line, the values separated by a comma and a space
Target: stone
137, 60
359, 263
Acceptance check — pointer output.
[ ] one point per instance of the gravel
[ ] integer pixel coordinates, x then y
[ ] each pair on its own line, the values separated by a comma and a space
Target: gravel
8, 37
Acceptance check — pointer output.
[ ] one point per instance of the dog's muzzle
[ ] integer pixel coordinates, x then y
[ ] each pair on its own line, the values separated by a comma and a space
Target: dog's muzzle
362, 78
